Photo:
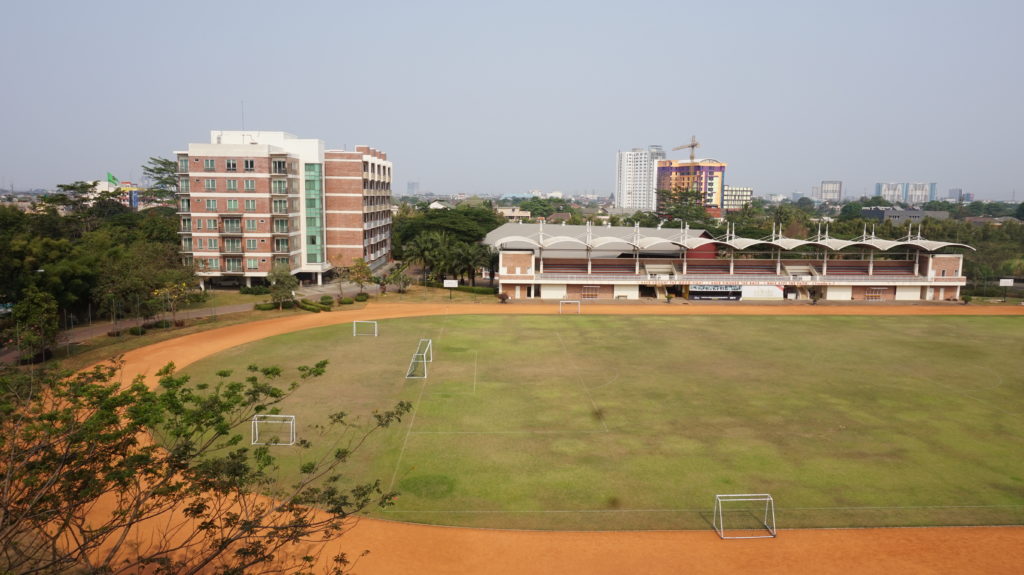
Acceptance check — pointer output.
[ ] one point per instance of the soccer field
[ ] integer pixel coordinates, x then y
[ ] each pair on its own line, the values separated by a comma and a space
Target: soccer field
626, 422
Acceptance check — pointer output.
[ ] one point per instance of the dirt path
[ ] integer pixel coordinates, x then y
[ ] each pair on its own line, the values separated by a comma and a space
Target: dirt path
402, 548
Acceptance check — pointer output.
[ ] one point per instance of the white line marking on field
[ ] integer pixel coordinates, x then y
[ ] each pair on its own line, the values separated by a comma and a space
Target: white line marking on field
405, 442
511, 432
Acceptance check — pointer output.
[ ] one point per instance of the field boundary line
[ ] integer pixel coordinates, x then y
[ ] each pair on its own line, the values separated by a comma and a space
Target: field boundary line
405, 442
511, 432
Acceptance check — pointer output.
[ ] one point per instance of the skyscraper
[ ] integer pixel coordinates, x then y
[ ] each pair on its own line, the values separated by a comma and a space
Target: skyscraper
636, 177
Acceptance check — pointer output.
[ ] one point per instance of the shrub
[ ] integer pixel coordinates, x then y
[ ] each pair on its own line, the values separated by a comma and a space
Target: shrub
309, 306
362, 296
483, 290
326, 300
254, 290
137, 330
114, 333
159, 324
265, 306
346, 301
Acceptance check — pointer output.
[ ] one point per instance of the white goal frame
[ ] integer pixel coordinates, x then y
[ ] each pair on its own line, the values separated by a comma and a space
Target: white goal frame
364, 324
569, 302
288, 420
767, 521
424, 355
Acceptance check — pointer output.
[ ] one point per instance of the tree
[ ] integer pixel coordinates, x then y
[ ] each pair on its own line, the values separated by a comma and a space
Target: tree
282, 284
71, 449
36, 323
360, 273
164, 175
399, 279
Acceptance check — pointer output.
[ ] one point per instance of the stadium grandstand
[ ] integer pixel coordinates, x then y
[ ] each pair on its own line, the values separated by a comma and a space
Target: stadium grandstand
589, 262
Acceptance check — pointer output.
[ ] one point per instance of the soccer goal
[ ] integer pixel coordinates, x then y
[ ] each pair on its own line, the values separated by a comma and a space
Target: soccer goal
424, 355
749, 516
273, 429
364, 328
569, 306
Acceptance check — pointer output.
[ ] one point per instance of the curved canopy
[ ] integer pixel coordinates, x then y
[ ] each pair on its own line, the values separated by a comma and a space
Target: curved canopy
533, 236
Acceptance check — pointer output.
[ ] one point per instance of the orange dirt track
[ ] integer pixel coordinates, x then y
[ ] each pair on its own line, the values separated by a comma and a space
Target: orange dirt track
397, 548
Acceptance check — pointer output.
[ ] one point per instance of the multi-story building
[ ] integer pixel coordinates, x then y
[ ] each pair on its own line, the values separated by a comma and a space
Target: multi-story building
830, 191
636, 177
251, 200
707, 177
735, 197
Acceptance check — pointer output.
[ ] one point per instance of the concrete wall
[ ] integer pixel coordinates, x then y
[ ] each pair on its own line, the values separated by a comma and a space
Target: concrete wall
839, 293
762, 292
908, 293
627, 292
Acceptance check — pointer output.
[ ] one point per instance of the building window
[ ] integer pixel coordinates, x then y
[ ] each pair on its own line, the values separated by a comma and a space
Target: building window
211, 205
184, 186
250, 185
281, 261
212, 242
279, 186
231, 165
186, 244
200, 243
250, 225
249, 165
186, 205
280, 226
232, 244
250, 205
250, 245
252, 263
212, 264
186, 224
233, 226
183, 164
208, 164
231, 185
279, 167
281, 245
232, 205
209, 184
280, 206
211, 224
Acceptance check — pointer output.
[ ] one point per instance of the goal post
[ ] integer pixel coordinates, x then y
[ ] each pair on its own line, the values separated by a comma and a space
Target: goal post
273, 429
748, 515
418, 364
569, 306
364, 328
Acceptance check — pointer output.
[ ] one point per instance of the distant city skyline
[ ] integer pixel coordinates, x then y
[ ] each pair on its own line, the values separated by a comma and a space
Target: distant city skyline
474, 98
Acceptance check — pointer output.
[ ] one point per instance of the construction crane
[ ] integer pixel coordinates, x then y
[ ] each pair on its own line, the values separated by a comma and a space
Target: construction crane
693, 145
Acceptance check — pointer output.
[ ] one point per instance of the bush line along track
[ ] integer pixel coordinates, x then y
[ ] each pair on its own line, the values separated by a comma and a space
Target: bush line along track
404, 548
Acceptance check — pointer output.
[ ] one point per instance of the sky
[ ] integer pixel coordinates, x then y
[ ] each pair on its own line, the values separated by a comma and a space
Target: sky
503, 98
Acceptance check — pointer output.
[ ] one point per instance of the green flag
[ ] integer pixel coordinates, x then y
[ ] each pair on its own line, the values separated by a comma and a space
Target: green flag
113, 181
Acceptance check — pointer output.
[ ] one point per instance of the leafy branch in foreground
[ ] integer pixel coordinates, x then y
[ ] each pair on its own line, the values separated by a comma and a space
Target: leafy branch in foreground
84, 487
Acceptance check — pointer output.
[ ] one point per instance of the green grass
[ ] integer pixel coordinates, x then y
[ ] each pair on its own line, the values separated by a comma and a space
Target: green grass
619, 422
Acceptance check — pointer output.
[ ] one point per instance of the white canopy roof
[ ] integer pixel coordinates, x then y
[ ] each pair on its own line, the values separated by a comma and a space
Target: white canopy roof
628, 238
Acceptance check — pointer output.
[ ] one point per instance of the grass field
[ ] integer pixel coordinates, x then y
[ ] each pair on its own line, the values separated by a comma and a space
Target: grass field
625, 422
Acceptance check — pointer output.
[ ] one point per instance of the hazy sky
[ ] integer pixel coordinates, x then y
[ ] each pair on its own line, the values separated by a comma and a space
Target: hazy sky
498, 98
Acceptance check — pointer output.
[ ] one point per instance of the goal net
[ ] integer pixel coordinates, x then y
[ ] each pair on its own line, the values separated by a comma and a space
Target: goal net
569, 306
364, 328
744, 516
273, 429
423, 356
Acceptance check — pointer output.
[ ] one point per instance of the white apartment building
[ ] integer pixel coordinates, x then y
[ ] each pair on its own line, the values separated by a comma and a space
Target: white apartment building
636, 179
